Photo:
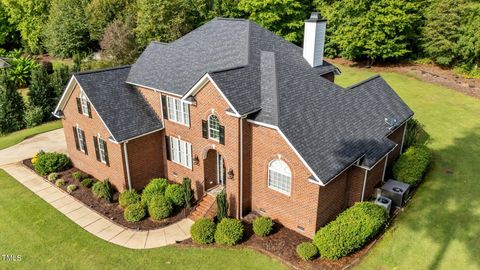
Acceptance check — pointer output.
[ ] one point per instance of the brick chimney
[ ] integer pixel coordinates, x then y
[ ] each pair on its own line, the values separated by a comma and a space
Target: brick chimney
314, 39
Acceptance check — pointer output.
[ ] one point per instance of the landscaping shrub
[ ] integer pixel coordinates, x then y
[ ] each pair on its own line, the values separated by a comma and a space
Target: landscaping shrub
51, 162
187, 191
87, 182
134, 212
128, 197
262, 226
156, 186
52, 177
160, 207
350, 230
103, 190
175, 194
60, 183
411, 165
229, 231
33, 116
307, 251
203, 231
71, 188
222, 206
79, 176
35, 157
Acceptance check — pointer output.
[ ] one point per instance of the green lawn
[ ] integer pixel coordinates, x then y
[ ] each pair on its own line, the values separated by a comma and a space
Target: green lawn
18, 136
46, 239
440, 229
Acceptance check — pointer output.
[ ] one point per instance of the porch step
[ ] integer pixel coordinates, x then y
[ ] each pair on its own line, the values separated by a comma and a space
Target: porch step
207, 207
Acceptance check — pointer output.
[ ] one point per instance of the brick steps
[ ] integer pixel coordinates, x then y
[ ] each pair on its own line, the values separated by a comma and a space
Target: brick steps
207, 207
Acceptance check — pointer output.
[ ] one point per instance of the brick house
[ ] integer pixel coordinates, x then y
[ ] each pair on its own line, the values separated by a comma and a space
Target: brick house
231, 105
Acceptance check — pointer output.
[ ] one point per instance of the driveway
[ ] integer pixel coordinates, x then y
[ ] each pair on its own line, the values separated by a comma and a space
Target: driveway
52, 141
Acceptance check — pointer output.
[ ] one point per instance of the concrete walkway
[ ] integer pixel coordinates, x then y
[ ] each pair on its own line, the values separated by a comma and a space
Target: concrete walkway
92, 221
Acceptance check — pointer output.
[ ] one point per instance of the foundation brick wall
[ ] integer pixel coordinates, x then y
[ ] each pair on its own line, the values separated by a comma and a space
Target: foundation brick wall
397, 137
374, 178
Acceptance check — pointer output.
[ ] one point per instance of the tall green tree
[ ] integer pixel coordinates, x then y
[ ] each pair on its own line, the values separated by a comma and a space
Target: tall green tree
225, 8
372, 29
67, 28
11, 106
469, 41
101, 13
41, 93
29, 17
283, 17
118, 43
9, 35
442, 30
59, 79
162, 20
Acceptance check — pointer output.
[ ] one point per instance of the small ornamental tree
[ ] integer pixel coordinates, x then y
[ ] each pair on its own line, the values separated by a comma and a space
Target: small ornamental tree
11, 106
222, 206
187, 191
118, 43
41, 93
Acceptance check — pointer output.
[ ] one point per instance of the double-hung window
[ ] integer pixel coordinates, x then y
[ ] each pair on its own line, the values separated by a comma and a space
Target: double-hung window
101, 150
81, 139
84, 103
213, 128
178, 111
181, 152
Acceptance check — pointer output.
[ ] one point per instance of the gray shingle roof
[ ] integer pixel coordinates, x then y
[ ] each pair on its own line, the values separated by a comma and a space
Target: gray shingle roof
124, 111
330, 126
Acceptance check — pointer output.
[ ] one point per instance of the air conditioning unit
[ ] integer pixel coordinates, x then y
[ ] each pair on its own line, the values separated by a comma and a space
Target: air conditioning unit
397, 191
384, 202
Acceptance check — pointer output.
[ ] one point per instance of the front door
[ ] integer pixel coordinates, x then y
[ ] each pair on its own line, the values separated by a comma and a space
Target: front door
214, 169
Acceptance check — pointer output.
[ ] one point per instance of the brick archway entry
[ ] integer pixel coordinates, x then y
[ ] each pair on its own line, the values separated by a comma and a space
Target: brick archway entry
214, 169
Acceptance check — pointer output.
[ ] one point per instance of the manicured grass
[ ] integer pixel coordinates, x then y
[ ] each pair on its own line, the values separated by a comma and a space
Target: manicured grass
18, 136
46, 239
440, 229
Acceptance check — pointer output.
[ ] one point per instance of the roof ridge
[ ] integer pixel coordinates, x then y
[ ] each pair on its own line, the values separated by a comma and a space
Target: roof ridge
101, 70
363, 82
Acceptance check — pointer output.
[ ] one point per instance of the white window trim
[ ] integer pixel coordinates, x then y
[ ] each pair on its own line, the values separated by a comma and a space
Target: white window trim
275, 188
177, 156
218, 130
103, 158
183, 111
81, 143
84, 103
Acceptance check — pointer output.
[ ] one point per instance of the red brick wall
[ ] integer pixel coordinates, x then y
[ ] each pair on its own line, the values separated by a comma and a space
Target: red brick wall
356, 177
374, 179
92, 127
397, 137
332, 199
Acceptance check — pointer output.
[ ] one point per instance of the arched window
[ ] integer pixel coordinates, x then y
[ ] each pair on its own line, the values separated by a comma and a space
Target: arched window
213, 127
279, 176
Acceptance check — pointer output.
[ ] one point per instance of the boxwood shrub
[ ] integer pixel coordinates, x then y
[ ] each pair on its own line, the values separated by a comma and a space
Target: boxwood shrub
79, 176
103, 190
71, 188
155, 187
134, 212
176, 194
411, 165
159, 207
52, 177
350, 230
262, 226
203, 231
87, 182
51, 162
229, 231
307, 251
60, 183
128, 197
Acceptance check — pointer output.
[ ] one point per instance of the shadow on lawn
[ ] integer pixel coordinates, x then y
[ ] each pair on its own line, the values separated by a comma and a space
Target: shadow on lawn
448, 202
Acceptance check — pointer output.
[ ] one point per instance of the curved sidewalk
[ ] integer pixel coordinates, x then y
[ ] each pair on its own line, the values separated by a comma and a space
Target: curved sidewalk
93, 222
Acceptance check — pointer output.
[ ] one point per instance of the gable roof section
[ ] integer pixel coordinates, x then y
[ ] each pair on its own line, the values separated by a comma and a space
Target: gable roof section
121, 107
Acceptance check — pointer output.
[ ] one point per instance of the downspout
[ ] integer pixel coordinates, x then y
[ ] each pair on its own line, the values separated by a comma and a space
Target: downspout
403, 136
385, 168
241, 167
364, 184
127, 166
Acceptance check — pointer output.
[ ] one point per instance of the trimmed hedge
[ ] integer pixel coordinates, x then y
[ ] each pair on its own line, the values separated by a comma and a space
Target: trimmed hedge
412, 165
103, 190
176, 194
128, 197
203, 231
350, 230
229, 231
134, 212
51, 162
160, 207
262, 226
155, 187
87, 182
79, 176
307, 251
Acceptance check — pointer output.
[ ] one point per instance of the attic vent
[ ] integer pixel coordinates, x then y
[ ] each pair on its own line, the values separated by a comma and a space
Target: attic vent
300, 228
391, 122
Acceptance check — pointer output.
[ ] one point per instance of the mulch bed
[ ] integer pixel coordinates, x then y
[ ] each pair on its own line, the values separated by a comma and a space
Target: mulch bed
112, 211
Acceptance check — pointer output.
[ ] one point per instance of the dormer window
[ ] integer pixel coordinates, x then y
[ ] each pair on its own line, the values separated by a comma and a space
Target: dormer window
176, 110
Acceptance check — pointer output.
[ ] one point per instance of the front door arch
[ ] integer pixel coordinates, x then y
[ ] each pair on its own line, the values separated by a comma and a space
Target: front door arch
214, 169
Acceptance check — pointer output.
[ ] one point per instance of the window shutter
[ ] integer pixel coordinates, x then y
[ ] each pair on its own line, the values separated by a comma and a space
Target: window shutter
205, 129
89, 110
107, 161
222, 134
167, 147
164, 107
84, 143
76, 138
79, 105
97, 152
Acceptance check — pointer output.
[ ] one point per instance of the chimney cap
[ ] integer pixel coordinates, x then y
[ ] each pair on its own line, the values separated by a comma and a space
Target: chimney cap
315, 17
